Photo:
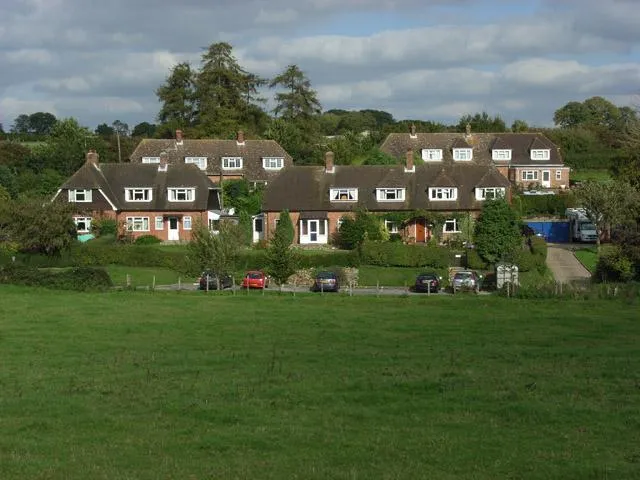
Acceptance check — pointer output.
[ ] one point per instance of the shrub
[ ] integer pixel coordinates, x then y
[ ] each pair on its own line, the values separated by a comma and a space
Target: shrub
147, 240
474, 261
104, 226
400, 255
526, 260
395, 237
544, 205
538, 246
613, 266
79, 278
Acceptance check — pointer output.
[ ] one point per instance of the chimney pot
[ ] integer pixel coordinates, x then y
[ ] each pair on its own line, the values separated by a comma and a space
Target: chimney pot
409, 167
329, 166
468, 129
162, 166
92, 157
240, 137
179, 137
413, 130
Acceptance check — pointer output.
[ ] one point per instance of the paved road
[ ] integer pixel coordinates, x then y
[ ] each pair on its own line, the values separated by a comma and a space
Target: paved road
565, 266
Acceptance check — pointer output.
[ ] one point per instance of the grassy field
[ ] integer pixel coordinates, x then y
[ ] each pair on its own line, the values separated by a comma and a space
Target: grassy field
184, 385
143, 276
588, 257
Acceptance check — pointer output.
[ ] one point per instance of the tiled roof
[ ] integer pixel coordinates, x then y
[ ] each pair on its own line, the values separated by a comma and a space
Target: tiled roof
520, 144
113, 178
251, 151
306, 188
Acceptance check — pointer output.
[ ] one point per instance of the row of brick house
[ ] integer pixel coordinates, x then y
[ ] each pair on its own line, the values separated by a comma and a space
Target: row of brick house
169, 184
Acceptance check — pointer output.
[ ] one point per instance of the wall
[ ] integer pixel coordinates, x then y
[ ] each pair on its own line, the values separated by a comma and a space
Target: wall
555, 184
271, 217
184, 235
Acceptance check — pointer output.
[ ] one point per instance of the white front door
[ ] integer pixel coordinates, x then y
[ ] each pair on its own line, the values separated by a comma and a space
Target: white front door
258, 228
546, 178
313, 231
174, 229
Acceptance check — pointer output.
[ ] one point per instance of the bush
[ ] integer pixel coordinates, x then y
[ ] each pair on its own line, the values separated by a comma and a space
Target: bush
104, 226
613, 266
393, 254
474, 261
538, 246
544, 205
147, 240
526, 261
79, 278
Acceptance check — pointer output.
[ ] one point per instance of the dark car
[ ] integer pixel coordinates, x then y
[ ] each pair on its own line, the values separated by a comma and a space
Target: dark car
326, 282
427, 282
466, 281
209, 280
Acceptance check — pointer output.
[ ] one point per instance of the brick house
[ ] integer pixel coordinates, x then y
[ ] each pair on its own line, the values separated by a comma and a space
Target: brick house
257, 161
318, 197
528, 160
161, 200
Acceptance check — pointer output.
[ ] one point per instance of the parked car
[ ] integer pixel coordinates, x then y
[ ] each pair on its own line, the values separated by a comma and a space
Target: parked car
226, 281
427, 282
466, 281
326, 282
255, 279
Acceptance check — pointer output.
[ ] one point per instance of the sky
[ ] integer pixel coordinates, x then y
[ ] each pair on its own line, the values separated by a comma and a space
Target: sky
436, 60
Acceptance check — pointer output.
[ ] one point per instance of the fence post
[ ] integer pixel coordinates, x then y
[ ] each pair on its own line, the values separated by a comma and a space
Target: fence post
377, 288
207, 282
294, 287
429, 289
351, 288
179, 283
233, 284
128, 280
154, 283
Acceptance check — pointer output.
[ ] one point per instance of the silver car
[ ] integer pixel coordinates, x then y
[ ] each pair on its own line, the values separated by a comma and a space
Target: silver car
466, 281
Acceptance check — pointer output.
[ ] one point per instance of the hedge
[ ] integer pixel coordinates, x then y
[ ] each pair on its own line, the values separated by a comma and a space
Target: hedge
544, 205
394, 254
79, 278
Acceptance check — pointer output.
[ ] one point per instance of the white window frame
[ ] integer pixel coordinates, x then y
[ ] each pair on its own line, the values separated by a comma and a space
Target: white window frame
496, 192
201, 162
456, 227
382, 194
463, 154
336, 193
540, 154
392, 226
131, 193
558, 175
232, 163
86, 220
187, 222
443, 194
501, 154
432, 154
267, 161
174, 193
151, 160
529, 175
138, 224
87, 195
159, 223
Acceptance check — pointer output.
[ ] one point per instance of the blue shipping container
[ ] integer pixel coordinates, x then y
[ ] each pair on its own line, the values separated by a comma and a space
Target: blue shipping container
553, 232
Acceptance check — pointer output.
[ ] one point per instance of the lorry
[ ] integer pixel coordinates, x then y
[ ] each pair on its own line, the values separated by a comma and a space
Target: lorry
581, 229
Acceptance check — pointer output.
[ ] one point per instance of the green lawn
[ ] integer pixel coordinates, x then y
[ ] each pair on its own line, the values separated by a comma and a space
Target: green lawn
588, 257
582, 175
186, 385
143, 276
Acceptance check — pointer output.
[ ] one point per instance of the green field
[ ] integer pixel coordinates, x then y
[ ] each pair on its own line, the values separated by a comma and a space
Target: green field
588, 257
582, 175
185, 385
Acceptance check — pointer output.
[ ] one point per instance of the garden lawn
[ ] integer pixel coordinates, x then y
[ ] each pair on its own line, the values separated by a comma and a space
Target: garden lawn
143, 276
582, 175
588, 257
185, 385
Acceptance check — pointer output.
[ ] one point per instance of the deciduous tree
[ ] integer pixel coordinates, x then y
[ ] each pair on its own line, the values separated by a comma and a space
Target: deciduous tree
497, 231
482, 122
217, 253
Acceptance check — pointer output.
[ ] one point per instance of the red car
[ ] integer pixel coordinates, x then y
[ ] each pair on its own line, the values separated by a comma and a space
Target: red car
255, 279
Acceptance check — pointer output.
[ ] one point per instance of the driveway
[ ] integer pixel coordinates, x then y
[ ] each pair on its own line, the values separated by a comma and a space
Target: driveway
564, 265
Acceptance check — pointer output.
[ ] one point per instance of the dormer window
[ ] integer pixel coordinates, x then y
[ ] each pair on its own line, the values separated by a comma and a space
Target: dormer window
343, 194
486, 193
232, 163
501, 154
272, 163
390, 194
138, 194
150, 159
541, 154
445, 194
79, 196
462, 154
201, 162
431, 154
181, 194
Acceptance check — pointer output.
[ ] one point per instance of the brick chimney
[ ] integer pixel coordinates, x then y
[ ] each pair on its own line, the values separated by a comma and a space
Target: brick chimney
92, 158
413, 131
409, 166
468, 129
329, 167
240, 137
163, 165
179, 137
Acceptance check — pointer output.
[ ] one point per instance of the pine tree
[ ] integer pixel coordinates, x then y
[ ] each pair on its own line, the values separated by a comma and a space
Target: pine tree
286, 225
282, 260
299, 102
177, 96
